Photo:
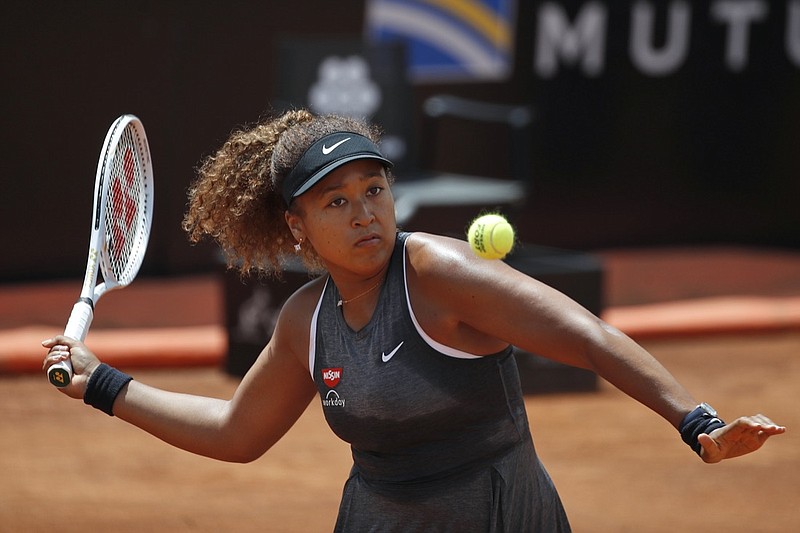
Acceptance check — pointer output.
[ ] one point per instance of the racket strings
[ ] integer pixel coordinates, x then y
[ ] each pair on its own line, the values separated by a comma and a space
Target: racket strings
125, 221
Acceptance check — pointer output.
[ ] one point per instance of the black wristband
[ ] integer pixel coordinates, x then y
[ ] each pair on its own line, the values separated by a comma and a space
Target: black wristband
703, 419
103, 388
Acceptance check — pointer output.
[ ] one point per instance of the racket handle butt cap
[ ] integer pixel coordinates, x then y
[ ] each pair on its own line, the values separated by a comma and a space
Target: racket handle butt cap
60, 374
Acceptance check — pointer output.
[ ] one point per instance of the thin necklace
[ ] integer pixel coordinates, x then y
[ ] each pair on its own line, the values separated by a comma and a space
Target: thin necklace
341, 302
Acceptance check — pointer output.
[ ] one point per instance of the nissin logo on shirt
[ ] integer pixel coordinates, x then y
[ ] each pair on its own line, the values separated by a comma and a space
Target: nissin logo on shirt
331, 376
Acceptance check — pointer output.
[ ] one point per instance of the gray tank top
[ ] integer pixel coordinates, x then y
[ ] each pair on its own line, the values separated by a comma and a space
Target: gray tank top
413, 410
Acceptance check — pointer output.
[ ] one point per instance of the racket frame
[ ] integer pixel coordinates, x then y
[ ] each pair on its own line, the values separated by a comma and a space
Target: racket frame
60, 374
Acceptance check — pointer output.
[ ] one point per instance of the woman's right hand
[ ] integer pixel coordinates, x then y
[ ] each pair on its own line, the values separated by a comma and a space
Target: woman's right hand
84, 362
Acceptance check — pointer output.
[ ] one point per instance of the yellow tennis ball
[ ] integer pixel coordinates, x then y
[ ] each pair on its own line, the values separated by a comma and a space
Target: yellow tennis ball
491, 236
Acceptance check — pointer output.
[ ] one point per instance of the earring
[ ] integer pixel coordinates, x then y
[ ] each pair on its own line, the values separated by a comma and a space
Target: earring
297, 247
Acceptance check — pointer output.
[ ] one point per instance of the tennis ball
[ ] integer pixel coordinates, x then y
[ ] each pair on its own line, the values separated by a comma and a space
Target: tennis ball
491, 236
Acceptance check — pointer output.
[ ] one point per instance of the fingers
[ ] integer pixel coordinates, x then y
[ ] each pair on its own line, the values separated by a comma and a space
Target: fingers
711, 452
757, 427
744, 435
59, 350
760, 423
56, 354
62, 348
58, 339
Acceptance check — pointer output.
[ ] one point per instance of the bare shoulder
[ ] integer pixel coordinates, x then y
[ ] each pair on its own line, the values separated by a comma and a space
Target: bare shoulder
432, 254
445, 272
454, 293
294, 322
441, 259
299, 307
304, 300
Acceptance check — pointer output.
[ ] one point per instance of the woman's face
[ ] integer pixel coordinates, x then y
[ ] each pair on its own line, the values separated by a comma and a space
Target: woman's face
348, 218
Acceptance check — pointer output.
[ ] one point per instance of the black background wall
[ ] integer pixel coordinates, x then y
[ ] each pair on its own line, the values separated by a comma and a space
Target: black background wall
703, 154
192, 71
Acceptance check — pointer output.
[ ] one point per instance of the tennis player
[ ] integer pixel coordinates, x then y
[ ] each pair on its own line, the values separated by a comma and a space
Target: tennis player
406, 339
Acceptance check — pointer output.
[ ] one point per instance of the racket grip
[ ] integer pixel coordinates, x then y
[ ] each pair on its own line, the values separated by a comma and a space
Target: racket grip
60, 374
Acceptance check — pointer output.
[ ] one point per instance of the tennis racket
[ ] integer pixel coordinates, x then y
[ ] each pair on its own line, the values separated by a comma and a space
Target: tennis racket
121, 217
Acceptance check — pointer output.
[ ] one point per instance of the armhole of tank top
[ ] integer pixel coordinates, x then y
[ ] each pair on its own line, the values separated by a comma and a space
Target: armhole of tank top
312, 338
438, 346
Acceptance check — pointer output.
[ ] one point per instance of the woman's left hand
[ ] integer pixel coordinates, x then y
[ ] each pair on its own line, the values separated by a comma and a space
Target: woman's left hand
742, 436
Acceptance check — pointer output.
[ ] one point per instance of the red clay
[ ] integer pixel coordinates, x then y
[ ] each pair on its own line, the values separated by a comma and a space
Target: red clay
618, 467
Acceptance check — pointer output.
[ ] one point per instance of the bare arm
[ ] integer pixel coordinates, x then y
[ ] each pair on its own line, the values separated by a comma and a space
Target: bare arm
268, 401
468, 300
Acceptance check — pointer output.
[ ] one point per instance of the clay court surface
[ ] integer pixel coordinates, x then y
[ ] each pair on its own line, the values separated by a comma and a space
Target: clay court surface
725, 321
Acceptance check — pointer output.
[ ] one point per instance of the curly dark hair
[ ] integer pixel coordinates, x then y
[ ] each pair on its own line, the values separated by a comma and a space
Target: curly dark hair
236, 198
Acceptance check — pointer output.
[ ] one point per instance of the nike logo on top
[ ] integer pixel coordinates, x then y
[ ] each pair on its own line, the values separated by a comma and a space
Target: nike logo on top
326, 150
385, 357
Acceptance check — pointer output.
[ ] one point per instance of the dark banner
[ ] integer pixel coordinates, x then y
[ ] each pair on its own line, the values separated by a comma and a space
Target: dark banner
669, 121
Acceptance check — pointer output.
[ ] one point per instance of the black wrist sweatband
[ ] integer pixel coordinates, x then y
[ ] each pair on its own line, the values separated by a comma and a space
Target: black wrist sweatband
695, 424
103, 388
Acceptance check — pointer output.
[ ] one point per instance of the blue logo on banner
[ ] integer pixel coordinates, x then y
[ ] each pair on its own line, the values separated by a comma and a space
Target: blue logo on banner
448, 40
